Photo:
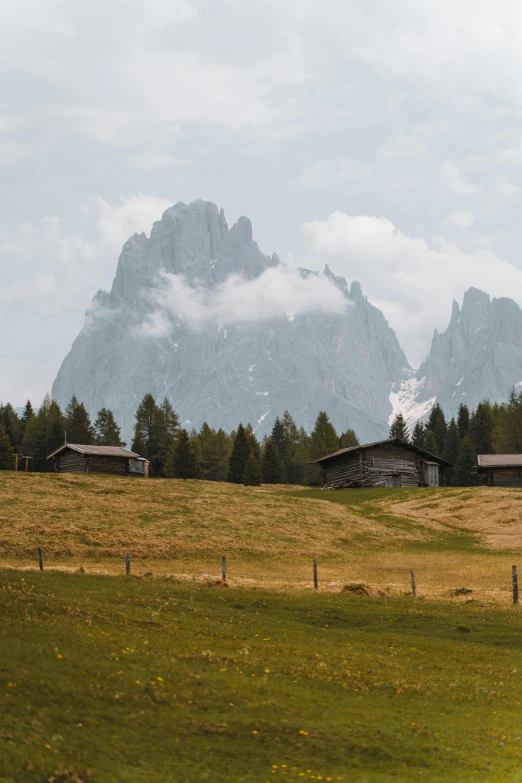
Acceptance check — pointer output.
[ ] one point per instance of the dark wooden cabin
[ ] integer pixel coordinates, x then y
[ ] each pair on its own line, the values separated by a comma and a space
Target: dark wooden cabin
75, 458
501, 470
386, 463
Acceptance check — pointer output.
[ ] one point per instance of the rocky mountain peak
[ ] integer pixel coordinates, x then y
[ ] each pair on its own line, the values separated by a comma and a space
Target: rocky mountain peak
342, 362
479, 355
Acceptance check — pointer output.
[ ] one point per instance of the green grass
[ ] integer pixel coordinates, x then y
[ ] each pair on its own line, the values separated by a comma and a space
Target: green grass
371, 504
106, 679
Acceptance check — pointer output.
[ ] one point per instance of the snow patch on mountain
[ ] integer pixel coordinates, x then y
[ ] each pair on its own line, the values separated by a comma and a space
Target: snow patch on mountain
405, 401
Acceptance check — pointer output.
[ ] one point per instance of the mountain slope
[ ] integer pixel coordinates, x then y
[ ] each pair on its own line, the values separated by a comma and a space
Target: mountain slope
224, 373
478, 357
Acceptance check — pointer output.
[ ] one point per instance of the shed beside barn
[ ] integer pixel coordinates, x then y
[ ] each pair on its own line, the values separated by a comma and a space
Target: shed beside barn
501, 470
76, 458
385, 463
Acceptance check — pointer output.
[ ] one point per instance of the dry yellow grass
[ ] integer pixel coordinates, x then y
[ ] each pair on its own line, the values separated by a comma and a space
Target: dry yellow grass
495, 514
452, 538
104, 517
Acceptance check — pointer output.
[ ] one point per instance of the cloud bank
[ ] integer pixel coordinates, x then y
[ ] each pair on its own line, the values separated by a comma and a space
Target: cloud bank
411, 280
278, 292
63, 269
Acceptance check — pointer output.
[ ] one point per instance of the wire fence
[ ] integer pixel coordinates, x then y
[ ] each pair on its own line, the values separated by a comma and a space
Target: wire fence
312, 579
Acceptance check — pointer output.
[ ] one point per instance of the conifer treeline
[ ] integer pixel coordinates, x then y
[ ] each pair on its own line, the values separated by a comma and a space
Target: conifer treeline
490, 429
283, 457
173, 452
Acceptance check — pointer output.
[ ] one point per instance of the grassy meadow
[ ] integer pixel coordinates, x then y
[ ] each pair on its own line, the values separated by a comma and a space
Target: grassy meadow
130, 679
452, 538
167, 675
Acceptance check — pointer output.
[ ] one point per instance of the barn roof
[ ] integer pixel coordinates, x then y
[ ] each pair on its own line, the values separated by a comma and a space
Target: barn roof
98, 451
422, 452
500, 460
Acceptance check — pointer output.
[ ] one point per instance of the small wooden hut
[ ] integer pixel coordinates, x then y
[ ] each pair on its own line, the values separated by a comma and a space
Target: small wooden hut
501, 470
75, 458
385, 463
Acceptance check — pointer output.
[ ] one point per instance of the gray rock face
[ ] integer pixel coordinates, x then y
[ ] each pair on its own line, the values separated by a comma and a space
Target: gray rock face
478, 357
224, 374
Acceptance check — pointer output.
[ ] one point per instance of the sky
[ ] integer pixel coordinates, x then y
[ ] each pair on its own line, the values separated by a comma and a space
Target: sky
382, 139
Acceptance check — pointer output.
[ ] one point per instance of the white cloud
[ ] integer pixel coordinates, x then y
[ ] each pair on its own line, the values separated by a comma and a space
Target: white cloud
462, 219
62, 269
276, 293
327, 172
118, 74
504, 189
22, 380
452, 179
413, 281
157, 160
402, 146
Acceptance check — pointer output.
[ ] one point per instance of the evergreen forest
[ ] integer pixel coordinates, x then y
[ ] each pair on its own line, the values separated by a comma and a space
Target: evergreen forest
286, 455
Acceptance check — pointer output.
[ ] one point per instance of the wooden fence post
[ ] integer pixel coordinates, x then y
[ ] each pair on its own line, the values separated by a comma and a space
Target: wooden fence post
413, 585
40, 559
514, 582
316, 581
224, 568
127, 563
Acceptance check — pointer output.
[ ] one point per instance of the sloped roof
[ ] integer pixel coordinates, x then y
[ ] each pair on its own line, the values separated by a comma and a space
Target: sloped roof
98, 451
500, 460
426, 454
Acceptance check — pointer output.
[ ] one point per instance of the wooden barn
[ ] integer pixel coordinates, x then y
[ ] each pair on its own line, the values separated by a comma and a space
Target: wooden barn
500, 470
386, 463
75, 458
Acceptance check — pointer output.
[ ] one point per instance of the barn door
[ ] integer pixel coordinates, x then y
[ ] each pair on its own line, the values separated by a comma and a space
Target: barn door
431, 474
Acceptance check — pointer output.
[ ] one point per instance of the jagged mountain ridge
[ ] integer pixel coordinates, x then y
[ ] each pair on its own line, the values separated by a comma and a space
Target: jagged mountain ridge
478, 357
345, 363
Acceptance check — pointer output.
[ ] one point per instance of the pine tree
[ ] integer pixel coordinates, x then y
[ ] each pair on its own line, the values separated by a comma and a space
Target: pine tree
507, 420
26, 416
107, 432
30, 439
399, 429
463, 420
182, 461
10, 422
239, 456
252, 474
451, 449
465, 473
295, 456
147, 439
78, 423
272, 468
167, 425
323, 440
255, 448
47, 435
452, 442
430, 444
279, 437
418, 435
6, 451
481, 429
348, 439
214, 451
437, 425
